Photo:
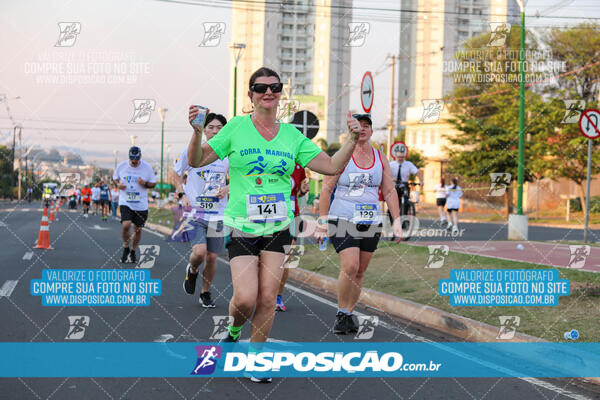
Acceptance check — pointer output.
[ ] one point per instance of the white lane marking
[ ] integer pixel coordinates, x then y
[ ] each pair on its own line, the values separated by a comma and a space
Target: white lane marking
164, 338
28, 255
508, 371
154, 233
99, 228
7, 288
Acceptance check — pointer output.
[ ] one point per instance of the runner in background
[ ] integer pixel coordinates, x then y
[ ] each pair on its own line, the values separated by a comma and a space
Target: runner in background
46, 196
401, 170
104, 199
453, 204
300, 186
114, 195
133, 177
206, 190
78, 194
356, 218
96, 198
262, 154
86, 198
440, 199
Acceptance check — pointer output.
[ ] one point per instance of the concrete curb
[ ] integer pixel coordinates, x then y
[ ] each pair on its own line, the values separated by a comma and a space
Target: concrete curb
455, 325
452, 324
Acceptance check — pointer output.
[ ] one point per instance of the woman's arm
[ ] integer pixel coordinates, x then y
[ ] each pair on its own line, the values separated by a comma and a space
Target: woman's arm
388, 189
199, 154
329, 183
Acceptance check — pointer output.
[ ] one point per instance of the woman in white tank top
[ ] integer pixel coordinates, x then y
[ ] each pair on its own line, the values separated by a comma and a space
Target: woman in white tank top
355, 218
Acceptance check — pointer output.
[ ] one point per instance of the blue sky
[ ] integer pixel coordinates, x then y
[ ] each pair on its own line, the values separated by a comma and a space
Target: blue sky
156, 45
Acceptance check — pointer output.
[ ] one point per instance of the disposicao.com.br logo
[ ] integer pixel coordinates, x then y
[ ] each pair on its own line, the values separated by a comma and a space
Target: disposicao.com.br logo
238, 359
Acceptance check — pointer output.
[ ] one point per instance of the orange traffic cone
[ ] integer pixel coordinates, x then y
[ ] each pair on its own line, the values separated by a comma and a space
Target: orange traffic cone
43, 241
51, 218
57, 209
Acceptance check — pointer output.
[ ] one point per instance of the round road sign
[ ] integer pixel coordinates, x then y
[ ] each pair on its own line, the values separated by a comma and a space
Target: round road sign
367, 92
589, 123
307, 123
399, 147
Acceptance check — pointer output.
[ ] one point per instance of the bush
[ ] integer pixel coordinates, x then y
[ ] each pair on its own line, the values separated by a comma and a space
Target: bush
594, 205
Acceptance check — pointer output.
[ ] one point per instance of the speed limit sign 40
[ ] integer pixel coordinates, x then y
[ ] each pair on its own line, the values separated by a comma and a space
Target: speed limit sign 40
589, 123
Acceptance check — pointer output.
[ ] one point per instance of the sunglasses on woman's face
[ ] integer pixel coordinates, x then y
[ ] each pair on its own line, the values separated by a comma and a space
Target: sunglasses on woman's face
262, 87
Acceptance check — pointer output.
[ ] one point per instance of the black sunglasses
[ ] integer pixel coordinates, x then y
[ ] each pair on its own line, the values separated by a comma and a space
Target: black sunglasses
262, 87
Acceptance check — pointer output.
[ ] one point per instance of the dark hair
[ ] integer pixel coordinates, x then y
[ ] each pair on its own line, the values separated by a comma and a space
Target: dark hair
263, 72
454, 183
442, 181
212, 116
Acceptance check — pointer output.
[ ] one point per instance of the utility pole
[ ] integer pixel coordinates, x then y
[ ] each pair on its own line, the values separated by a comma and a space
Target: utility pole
391, 122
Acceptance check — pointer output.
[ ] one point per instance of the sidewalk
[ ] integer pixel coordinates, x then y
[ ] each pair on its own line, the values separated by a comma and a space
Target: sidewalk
550, 254
429, 211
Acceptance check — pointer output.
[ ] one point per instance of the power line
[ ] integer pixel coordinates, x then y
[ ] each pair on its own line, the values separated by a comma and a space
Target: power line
279, 5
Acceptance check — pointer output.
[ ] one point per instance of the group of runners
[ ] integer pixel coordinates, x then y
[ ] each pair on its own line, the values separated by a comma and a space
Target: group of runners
242, 179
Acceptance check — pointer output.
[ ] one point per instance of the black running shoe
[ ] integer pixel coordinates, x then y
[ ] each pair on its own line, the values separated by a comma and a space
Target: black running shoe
205, 299
352, 325
125, 254
261, 379
341, 323
132, 257
229, 338
189, 285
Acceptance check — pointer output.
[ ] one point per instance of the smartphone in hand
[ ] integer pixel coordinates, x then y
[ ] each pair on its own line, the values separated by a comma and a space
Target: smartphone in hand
201, 117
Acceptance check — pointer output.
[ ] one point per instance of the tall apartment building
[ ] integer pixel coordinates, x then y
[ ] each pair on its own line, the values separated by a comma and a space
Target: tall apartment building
303, 40
429, 38
432, 35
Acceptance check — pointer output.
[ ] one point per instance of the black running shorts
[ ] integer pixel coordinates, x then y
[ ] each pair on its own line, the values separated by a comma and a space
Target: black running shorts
137, 217
241, 243
346, 234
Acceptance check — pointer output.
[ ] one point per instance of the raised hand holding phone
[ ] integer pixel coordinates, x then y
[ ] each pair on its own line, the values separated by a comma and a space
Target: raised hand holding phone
197, 116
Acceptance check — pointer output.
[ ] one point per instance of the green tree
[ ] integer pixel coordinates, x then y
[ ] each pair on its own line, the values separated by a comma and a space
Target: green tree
564, 148
6, 172
486, 112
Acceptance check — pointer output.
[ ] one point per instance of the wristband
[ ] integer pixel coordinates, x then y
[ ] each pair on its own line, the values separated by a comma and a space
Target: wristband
321, 221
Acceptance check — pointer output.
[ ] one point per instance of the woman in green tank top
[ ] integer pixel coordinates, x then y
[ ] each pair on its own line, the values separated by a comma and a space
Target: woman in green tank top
262, 155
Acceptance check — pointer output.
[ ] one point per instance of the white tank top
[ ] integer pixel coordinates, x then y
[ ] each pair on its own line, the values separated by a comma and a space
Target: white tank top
357, 193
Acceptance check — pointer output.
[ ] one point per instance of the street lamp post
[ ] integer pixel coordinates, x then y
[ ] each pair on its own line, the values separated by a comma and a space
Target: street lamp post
521, 111
237, 54
168, 161
116, 152
162, 112
518, 223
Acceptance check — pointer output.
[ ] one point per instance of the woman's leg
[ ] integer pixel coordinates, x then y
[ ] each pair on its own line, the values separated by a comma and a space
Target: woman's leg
349, 262
365, 258
244, 277
269, 278
285, 266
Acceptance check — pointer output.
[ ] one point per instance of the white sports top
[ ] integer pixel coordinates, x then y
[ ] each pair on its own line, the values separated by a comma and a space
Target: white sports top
357, 194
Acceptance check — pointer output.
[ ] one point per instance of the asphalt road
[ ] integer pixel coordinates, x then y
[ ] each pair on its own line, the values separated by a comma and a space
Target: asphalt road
91, 243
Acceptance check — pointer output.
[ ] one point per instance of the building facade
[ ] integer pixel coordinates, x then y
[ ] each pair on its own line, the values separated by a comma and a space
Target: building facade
304, 41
